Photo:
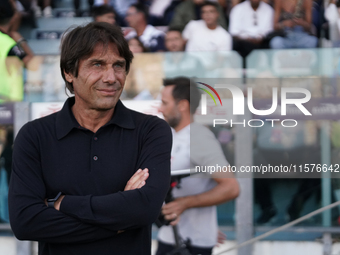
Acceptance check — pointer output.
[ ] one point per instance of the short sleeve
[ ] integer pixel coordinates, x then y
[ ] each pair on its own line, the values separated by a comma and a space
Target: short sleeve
16, 50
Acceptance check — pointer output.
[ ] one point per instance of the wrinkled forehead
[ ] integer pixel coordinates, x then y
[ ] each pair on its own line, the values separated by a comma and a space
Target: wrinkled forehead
104, 50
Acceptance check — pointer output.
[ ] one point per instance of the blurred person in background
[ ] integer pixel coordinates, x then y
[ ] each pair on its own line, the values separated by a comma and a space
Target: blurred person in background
207, 34
176, 61
249, 23
174, 41
191, 10
24, 14
45, 6
137, 17
293, 25
16, 19
120, 6
15, 46
104, 13
137, 75
332, 11
194, 207
7, 152
136, 46
162, 11
333, 17
76, 4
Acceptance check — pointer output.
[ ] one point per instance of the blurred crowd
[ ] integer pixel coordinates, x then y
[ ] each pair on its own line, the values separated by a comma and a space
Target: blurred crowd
180, 25
205, 25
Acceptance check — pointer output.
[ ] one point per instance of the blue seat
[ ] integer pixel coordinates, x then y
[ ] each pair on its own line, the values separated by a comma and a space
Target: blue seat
42, 34
45, 47
64, 12
61, 23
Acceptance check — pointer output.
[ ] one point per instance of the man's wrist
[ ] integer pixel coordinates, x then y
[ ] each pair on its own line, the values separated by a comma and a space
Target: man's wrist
21, 41
58, 202
187, 202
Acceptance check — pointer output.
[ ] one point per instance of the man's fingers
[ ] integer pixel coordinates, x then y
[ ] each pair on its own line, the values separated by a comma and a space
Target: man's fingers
175, 222
169, 209
141, 184
137, 180
173, 218
141, 181
170, 216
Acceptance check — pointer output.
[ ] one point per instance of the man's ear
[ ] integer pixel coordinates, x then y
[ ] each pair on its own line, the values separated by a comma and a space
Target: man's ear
184, 105
68, 77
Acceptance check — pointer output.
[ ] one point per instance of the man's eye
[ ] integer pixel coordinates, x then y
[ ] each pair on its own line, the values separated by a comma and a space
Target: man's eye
97, 64
119, 66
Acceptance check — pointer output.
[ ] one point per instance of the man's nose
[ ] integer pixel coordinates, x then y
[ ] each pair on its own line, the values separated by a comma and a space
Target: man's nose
109, 76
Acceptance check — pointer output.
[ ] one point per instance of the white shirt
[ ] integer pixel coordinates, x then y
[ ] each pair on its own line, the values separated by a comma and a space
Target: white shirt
332, 13
198, 224
201, 38
121, 6
149, 38
244, 22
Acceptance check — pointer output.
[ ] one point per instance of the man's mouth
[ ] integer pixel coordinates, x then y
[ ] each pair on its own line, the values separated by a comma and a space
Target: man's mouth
108, 92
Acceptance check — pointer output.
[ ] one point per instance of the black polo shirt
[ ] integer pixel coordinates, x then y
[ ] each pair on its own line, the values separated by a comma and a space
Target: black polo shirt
55, 154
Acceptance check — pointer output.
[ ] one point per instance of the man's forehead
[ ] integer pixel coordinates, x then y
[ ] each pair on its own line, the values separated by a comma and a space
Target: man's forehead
132, 9
167, 90
173, 34
208, 8
102, 51
107, 14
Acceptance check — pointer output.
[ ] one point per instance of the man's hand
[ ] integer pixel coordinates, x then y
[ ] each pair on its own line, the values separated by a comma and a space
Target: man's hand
299, 22
221, 237
137, 180
173, 210
57, 203
288, 23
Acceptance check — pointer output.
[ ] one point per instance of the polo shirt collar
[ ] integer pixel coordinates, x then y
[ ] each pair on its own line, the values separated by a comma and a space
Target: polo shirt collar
122, 117
65, 120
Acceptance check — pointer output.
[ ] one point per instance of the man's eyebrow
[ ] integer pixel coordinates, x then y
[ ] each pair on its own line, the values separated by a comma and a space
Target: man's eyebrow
123, 62
95, 60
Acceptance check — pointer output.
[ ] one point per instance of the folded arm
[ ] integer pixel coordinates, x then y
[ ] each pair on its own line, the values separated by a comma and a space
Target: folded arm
85, 218
131, 208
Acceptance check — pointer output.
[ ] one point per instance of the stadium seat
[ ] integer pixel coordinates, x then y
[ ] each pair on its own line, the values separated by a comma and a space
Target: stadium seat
45, 47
